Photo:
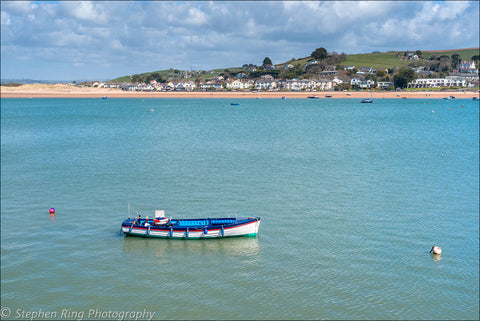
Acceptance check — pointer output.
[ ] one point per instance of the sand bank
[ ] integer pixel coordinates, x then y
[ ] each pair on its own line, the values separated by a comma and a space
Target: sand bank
69, 91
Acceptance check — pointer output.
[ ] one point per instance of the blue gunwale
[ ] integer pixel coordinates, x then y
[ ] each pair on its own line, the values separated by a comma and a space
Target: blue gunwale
211, 224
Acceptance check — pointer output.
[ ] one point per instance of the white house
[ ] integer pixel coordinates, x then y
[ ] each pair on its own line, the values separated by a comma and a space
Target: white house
337, 81
99, 85
365, 71
296, 85
384, 84
266, 84
467, 66
325, 84
437, 82
239, 85
266, 77
209, 85
185, 85
362, 83
311, 62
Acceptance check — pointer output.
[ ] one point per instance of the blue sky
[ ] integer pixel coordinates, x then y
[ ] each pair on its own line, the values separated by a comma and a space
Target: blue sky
88, 40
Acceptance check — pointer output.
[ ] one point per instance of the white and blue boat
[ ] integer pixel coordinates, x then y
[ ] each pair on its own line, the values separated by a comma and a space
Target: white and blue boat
366, 101
202, 228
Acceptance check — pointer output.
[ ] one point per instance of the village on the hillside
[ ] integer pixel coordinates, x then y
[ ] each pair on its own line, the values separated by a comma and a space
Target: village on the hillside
326, 78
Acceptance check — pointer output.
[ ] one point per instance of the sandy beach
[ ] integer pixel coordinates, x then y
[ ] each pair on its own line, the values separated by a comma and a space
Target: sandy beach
70, 91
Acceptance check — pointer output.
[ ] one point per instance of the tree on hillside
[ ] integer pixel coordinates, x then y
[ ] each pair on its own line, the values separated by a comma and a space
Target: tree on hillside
155, 76
456, 60
136, 79
320, 53
404, 76
267, 62
476, 59
381, 73
418, 53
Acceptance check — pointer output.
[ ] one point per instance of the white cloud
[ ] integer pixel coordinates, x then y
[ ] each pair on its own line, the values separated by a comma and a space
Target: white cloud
18, 7
95, 12
140, 36
6, 18
196, 17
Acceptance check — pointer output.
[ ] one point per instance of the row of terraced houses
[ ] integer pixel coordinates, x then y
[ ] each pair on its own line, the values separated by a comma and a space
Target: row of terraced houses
267, 82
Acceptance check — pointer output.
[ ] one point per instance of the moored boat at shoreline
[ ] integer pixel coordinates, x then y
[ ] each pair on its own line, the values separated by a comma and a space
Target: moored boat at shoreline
366, 101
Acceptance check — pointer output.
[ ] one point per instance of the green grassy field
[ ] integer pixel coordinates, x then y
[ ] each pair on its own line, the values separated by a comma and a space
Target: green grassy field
382, 60
465, 54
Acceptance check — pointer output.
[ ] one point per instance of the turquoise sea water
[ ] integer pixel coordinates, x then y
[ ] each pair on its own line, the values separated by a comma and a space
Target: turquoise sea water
352, 197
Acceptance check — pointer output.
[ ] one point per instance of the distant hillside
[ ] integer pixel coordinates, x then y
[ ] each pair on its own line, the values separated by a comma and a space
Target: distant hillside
376, 60
390, 59
33, 81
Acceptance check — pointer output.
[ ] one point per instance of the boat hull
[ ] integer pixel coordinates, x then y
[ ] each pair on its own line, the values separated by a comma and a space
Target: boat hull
193, 229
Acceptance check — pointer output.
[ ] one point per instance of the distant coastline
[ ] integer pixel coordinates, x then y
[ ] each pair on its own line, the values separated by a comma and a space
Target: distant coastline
69, 91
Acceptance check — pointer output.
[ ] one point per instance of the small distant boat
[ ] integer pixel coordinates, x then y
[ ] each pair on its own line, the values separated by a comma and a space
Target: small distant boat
234, 104
202, 228
328, 96
283, 97
449, 97
475, 98
367, 100
313, 97
104, 97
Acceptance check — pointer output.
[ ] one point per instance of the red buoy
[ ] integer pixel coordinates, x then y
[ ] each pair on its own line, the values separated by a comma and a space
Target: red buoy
52, 211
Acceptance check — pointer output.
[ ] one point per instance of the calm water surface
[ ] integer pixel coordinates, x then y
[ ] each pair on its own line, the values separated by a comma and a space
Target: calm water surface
352, 197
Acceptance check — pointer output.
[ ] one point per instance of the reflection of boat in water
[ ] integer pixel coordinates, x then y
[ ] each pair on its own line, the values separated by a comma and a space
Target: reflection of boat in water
202, 228
236, 246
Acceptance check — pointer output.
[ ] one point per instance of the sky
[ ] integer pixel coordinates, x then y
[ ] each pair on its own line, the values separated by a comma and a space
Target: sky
102, 40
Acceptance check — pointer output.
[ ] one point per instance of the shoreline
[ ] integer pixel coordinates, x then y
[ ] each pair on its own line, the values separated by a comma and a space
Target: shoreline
68, 91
